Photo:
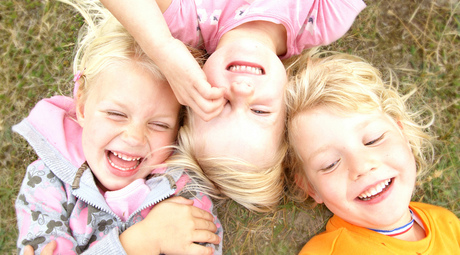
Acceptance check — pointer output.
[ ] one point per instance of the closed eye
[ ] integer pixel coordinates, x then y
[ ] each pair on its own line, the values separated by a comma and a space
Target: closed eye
160, 126
116, 114
331, 167
375, 140
260, 112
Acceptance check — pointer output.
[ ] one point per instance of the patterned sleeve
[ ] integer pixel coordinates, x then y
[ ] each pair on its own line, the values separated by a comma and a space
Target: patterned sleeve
44, 207
42, 210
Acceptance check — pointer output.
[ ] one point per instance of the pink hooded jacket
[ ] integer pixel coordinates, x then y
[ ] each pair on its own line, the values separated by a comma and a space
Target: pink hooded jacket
54, 203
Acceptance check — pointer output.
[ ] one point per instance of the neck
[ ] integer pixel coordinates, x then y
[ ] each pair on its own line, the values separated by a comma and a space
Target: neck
415, 232
270, 34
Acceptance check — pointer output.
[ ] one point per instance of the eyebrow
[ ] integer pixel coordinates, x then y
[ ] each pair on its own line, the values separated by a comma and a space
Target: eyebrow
324, 148
318, 151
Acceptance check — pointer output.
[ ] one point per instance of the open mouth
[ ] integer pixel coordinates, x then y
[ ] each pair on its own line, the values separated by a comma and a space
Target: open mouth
376, 190
123, 162
246, 69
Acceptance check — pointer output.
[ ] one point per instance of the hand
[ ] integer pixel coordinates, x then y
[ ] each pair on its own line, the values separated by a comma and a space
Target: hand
173, 226
188, 81
47, 250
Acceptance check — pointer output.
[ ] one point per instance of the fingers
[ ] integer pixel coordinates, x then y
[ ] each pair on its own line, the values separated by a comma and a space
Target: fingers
205, 225
201, 214
180, 200
200, 249
207, 102
28, 250
49, 248
204, 236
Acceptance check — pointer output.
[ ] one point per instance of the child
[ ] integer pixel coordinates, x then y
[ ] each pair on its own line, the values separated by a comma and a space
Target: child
357, 149
241, 148
95, 188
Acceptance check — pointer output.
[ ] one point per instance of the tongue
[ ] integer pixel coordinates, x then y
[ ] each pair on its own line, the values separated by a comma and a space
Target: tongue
122, 163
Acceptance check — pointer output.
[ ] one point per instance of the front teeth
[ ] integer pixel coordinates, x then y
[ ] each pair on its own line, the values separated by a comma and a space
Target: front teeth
126, 158
247, 69
375, 190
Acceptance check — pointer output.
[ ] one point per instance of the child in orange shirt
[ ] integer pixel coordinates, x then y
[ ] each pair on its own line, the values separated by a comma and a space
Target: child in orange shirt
356, 148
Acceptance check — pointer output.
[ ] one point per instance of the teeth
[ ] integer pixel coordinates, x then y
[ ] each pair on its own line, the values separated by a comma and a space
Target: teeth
122, 168
374, 190
126, 158
246, 69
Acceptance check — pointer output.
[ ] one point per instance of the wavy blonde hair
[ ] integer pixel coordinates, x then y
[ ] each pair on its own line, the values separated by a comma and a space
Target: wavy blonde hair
346, 83
103, 41
256, 189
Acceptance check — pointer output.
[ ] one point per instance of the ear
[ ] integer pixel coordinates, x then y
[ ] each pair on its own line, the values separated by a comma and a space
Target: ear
313, 194
80, 112
307, 187
400, 125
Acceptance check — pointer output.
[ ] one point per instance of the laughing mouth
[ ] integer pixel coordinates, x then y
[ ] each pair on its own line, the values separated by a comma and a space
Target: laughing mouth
376, 190
123, 162
246, 69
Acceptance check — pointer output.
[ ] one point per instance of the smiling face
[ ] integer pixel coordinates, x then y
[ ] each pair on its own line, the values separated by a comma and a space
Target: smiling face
127, 119
359, 165
251, 125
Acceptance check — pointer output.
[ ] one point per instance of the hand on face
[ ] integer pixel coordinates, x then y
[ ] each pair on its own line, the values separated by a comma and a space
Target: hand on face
189, 83
174, 226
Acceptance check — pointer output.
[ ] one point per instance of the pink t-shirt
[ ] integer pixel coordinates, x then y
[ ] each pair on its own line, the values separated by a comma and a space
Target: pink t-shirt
309, 23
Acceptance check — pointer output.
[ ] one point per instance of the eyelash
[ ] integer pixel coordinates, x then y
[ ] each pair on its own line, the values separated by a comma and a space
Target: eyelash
330, 167
375, 140
259, 112
255, 111
161, 125
117, 114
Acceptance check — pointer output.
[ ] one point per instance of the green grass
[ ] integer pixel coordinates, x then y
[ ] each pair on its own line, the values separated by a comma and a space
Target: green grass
419, 40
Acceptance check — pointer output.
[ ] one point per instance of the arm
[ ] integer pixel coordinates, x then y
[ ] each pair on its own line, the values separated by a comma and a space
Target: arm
40, 207
44, 210
172, 226
144, 21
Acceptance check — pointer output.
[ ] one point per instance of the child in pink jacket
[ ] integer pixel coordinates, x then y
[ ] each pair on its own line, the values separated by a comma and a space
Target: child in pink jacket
97, 187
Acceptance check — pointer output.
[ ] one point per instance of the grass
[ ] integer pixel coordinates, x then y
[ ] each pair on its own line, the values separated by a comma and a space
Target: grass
418, 40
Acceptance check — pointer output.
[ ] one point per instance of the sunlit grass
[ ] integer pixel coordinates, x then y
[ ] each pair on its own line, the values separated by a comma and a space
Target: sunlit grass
418, 41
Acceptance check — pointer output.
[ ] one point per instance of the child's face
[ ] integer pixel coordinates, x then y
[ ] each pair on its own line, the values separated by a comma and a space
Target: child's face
360, 165
251, 124
127, 118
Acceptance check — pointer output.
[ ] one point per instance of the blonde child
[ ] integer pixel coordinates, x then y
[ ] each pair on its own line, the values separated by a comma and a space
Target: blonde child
357, 149
236, 128
96, 187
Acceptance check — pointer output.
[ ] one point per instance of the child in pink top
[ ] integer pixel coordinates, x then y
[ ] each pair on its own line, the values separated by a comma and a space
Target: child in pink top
236, 126
99, 186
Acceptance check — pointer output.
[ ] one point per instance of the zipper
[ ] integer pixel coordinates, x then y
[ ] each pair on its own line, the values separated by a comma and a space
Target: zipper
156, 201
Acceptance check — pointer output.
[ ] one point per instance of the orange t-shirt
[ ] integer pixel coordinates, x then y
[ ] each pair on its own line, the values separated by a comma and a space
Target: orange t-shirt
442, 230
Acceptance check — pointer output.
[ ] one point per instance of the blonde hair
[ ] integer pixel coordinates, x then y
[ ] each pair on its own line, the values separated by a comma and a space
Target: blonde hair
346, 83
102, 42
256, 189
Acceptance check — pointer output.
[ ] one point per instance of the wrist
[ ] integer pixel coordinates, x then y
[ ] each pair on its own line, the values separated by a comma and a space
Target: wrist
137, 240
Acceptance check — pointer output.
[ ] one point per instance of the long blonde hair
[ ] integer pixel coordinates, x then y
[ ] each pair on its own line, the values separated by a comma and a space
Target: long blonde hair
346, 83
256, 189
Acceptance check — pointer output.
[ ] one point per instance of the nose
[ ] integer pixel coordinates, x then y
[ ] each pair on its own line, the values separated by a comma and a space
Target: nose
134, 134
361, 164
239, 92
